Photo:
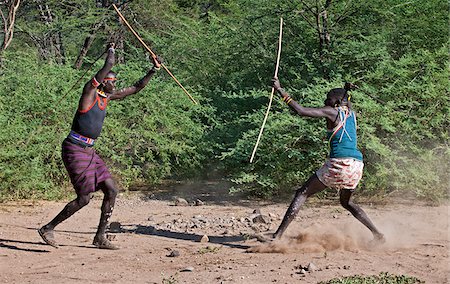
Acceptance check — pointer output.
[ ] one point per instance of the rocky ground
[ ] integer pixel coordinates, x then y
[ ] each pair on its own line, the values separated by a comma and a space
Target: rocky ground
209, 239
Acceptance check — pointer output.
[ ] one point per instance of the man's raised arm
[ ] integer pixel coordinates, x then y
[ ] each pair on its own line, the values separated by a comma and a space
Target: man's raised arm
101, 74
139, 85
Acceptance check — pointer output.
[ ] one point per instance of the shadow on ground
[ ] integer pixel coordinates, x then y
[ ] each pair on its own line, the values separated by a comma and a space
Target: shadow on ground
209, 191
229, 241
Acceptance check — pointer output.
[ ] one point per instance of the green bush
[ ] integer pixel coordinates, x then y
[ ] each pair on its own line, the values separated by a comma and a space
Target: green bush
383, 278
147, 137
224, 54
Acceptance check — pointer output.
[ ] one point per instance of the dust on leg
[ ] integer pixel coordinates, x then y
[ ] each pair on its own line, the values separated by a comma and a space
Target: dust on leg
47, 232
360, 215
312, 186
109, 189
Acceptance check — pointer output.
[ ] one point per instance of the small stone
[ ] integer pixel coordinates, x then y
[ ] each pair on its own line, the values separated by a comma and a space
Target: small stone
261, 219
110, 237
115, 227
204, 239
174, 253
272, 215
187, 269
181, 202
347, 267
257, 211
302, 271
311, 267
198, 202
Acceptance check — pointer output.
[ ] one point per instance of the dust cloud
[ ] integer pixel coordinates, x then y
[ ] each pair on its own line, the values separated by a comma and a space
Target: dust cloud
317, 238
401, 230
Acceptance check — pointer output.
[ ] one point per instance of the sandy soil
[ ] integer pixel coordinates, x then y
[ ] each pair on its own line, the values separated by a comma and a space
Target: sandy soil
152, 229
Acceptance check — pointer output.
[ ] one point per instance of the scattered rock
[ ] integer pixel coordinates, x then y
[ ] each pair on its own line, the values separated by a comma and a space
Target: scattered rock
204, 239
181, 202
187, 269
273, 216
302, 271
347, 267
115, 227
198, 202
261, 219
311, 267
174, 253
229, 224
110, 237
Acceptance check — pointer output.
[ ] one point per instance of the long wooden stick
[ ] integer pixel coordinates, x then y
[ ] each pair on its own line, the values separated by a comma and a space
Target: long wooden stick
151, 52
271, 94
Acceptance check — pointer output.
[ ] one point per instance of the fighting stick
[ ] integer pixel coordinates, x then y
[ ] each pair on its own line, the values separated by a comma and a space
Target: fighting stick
151, 52
271, 94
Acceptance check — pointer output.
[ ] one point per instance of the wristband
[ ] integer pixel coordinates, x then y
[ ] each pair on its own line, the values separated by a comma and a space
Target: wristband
156, 68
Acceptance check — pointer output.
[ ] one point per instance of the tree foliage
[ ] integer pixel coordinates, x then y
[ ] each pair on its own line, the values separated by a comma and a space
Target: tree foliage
224, 52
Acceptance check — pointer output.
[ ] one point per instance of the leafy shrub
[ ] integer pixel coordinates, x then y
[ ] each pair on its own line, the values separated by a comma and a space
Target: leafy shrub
147, 137
382, 278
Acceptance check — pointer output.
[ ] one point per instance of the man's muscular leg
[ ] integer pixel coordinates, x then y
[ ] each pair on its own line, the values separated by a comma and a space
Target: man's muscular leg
73, 206
312, 186
109, 189
359, 214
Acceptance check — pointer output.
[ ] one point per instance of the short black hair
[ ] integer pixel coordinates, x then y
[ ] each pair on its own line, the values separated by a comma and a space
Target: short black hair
337, 93
339, 96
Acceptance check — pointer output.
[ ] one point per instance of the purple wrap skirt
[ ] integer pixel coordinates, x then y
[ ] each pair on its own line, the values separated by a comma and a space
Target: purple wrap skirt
86, 169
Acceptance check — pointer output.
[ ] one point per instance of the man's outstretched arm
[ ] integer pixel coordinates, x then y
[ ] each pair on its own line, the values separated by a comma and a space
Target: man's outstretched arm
139, 85
327, 112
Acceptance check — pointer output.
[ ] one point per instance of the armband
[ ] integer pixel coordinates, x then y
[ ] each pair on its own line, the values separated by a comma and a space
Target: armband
94, 82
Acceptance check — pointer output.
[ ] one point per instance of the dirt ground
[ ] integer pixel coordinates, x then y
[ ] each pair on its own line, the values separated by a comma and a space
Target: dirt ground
161, 243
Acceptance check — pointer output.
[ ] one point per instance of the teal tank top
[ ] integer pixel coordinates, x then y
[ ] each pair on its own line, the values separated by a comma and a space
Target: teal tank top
343, 140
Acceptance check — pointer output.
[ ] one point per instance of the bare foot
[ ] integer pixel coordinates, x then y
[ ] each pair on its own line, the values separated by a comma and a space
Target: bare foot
378, 240
263, 239
103, 243
48, 237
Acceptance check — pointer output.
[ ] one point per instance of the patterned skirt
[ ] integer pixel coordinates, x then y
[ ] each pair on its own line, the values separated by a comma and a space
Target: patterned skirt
341, 173
86, 169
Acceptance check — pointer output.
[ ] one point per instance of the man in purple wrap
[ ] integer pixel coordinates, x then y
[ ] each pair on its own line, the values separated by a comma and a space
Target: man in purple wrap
88, 173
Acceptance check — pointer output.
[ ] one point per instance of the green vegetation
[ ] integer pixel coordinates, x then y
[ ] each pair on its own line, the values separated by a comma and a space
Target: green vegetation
208, 249
172, 279
383, 278
224, 53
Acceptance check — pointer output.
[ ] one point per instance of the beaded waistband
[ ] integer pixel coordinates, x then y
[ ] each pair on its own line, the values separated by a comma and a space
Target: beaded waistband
81, 138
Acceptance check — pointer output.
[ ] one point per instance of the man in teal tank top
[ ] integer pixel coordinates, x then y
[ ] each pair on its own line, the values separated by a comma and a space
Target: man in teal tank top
343, 168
